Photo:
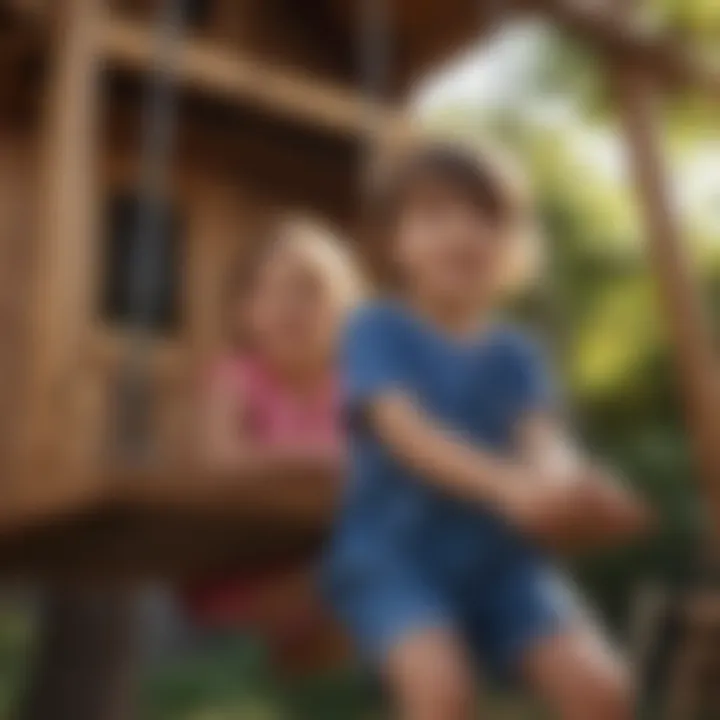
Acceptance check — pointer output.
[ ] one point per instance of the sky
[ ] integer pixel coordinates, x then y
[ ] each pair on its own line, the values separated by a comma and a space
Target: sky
486, 73
492, 75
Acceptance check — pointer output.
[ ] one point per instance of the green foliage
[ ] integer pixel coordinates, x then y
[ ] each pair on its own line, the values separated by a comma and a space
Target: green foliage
572, 69
690, 19
15, 634
229, 677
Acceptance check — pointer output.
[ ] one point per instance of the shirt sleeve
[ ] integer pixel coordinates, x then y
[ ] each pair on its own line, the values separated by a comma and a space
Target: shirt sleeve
371, 361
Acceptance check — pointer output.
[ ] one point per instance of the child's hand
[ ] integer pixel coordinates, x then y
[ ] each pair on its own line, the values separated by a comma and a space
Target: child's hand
592, 509
614, 508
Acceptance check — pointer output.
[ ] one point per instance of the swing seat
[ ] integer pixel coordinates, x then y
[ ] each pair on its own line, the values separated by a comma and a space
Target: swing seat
173, 526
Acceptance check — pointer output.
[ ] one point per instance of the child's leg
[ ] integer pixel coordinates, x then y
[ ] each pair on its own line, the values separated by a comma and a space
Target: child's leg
531, 624
404, 625
430, 678
580, 676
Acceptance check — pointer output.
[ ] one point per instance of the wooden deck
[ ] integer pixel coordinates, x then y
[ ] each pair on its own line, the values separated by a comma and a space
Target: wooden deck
172, 526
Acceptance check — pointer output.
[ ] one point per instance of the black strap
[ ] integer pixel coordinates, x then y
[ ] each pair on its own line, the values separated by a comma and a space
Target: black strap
134, 391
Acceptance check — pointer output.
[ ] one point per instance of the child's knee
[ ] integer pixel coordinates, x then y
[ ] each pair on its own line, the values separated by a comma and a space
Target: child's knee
618, 696
603, 693
430, 680
581, 678
442, 697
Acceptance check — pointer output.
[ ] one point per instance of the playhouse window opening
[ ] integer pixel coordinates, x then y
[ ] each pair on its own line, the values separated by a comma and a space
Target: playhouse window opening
121, 252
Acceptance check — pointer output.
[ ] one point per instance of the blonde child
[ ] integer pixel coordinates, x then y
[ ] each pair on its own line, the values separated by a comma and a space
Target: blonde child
272, 407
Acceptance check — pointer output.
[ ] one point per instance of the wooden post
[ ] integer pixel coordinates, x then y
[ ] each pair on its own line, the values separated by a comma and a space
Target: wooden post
84, 664
84, 667
53, 469
689, 330
682, 306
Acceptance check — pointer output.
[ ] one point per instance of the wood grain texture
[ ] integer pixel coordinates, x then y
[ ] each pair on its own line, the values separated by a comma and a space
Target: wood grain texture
53, 462
18, 174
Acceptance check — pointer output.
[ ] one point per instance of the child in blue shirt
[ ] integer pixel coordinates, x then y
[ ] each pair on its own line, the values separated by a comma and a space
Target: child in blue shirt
460, 474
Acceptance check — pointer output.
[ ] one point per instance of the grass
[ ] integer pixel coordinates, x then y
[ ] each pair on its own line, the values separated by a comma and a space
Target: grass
230, 679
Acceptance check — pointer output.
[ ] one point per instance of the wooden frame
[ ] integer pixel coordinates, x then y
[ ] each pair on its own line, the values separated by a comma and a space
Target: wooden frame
687, 318
232, 76
62, 282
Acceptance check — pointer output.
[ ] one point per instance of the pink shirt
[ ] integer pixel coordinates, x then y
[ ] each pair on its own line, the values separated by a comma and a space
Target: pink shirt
272, 416
275, 416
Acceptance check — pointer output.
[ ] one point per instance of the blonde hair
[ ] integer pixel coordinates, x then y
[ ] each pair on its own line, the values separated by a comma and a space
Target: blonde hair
324, 251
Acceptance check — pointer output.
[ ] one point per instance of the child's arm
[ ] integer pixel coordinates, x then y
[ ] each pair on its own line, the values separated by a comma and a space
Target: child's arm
380, 398
537, 497
440, 457
227, 447
601, 508
550, 493
598, 506
542, 442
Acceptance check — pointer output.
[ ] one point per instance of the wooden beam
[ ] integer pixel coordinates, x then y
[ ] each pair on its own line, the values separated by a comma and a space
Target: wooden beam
672, 63
210, 69
682, 305
114, 545
295, 498
52, 469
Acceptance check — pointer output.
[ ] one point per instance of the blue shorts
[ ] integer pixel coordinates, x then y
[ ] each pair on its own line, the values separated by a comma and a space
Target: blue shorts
499, 615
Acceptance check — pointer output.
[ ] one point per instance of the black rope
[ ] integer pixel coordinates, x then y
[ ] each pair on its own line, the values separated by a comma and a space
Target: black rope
147, 250
375, 61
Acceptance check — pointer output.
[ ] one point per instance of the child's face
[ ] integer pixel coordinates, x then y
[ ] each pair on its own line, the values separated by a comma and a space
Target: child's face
447, 248
292, 317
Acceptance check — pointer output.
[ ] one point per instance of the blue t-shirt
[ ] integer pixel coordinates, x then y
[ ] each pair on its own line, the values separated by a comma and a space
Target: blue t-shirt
478, 387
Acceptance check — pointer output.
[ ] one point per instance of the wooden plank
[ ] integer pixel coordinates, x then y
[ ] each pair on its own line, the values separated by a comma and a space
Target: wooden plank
690, 333
210, 69
294, 497
54, 468
682, 305
678, 284
18, 179
117, 544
